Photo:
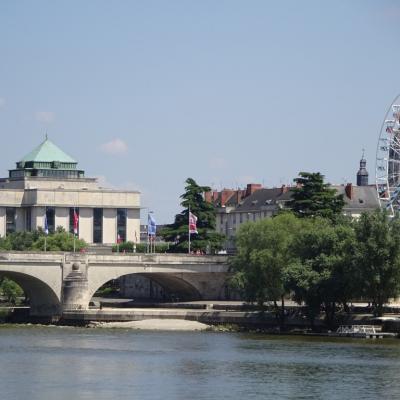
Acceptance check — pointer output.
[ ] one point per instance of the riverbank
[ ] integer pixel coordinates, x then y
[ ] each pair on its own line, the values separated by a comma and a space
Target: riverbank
154, 325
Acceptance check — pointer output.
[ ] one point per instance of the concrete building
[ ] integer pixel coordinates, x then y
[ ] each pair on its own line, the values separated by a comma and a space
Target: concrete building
47, 182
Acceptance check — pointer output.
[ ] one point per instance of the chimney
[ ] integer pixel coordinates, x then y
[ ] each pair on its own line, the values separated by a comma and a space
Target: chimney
252, 187
349, 190
225, 195
208, 197
215, 196
239, 195
284, 189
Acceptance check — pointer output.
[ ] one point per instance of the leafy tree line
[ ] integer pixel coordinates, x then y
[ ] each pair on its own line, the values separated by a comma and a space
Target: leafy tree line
317, 256
318, 262
60, 240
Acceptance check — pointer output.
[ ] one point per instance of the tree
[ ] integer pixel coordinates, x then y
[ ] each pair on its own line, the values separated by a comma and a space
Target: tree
10, 290
322, 273
177, 233
262, 257
314, 198
378, 257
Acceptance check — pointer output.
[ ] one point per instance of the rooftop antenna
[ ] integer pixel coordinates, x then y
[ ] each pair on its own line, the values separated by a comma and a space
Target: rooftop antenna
363, 153
46, 136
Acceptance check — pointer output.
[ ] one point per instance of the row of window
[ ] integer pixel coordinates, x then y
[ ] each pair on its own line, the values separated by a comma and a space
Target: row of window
11, 215
47, 173
242, 217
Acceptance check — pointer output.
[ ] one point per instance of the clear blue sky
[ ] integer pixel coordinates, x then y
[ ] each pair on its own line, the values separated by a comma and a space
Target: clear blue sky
145, 94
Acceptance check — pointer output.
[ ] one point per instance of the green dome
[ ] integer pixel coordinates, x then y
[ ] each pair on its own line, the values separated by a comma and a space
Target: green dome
48, 152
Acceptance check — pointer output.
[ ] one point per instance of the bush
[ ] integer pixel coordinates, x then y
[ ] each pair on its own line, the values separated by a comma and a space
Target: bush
25, 241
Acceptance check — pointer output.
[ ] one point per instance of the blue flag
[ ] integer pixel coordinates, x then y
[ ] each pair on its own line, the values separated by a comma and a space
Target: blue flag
151, 225
46, 227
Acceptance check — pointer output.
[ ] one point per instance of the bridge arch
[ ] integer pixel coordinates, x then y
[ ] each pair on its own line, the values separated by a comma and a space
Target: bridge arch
44, 301
177, 286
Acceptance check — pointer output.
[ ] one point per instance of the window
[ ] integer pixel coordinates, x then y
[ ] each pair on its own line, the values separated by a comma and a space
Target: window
10, 219
121, 224
50, 215
71, 220
97, 225
28, 219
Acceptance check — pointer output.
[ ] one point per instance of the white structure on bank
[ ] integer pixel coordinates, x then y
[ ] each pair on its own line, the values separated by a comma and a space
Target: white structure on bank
47, 182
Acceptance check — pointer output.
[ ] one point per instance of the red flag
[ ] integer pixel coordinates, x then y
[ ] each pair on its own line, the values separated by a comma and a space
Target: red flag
192, 223
76, 222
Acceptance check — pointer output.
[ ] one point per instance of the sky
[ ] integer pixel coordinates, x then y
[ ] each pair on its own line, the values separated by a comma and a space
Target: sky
145, 94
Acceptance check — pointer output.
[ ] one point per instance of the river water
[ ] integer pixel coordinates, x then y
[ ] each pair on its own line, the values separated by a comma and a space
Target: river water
49, 363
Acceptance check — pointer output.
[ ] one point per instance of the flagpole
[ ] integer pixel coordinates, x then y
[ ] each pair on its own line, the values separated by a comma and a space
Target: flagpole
73, 231
189, 230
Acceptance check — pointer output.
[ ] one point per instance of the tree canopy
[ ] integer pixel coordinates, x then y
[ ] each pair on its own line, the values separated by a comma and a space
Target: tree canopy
321, 272
321, 263
314, 198
377, 255
178, 233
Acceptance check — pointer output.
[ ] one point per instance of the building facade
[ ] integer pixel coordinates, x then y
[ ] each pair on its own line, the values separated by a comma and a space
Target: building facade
235, 207
47, 184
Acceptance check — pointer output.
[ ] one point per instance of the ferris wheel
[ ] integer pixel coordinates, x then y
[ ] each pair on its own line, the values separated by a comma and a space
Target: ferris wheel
387, 170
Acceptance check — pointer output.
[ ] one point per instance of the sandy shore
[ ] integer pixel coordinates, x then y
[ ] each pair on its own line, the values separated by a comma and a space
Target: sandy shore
155, 324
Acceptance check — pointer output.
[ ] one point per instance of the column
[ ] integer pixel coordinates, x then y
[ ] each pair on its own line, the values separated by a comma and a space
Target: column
86, 224
109, 225
2, 221
133, 225
38, 218
62, 217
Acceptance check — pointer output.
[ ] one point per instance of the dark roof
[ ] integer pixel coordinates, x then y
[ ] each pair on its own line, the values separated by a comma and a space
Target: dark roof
364, 199
263, 198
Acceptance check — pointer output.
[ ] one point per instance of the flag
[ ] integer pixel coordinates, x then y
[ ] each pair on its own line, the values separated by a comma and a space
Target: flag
46, 226
192, 223
151, 225
119, 239
76, 222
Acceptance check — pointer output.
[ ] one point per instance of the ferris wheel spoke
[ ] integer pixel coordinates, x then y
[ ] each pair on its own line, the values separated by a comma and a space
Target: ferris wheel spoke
387, 170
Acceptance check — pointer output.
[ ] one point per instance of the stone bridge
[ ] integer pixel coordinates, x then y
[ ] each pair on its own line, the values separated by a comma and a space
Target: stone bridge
57, 282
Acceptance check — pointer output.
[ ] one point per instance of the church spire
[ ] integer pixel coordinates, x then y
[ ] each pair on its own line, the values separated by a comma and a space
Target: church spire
362, 174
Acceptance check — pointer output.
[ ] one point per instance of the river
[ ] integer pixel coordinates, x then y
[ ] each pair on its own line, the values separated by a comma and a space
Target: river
48, 363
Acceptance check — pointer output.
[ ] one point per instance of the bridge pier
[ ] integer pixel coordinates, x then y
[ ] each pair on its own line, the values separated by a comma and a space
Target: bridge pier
75, 287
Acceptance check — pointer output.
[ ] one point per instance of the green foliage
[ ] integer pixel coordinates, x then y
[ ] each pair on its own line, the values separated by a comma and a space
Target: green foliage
10, 290
314, 198
378, 257
140, 247
262, 257
26, 241
177, 233
322, 272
